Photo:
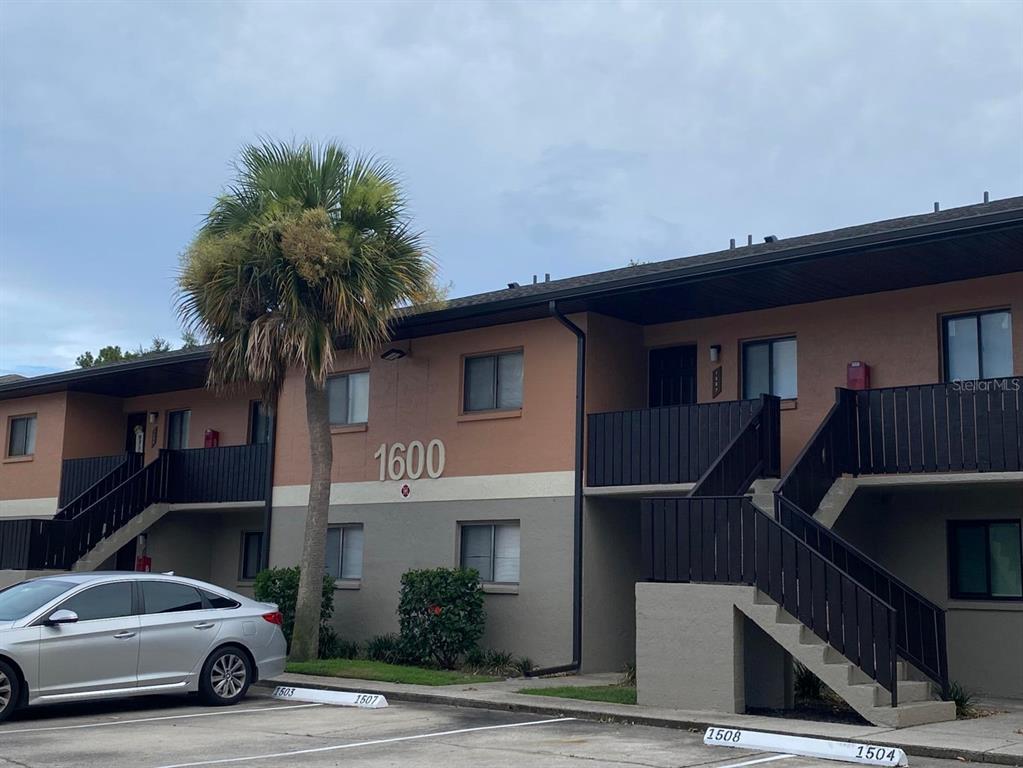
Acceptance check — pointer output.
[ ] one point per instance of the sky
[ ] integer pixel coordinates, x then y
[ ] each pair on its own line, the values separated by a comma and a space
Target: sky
532, 137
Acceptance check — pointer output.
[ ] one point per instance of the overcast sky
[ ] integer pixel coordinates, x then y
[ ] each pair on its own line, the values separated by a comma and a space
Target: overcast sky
532, 137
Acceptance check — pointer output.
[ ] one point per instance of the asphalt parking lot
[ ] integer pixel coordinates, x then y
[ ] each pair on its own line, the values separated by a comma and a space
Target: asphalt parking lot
171, 732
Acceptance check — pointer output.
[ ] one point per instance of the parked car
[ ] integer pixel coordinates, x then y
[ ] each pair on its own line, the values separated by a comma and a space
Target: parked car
80, 636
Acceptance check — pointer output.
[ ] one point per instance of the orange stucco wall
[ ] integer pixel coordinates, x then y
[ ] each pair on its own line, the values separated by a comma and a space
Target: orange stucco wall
39, 476
897, 333
419, 398
228, 414
93, 426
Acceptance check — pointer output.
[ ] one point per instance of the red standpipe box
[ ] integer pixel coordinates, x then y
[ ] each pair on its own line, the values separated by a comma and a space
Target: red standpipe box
857, 375
211, 439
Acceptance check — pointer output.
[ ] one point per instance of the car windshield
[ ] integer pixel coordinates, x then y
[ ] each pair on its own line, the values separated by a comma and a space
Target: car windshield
22, 599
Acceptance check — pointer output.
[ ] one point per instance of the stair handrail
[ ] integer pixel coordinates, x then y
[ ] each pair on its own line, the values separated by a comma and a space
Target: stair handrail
761, 427
877, 571
129, 460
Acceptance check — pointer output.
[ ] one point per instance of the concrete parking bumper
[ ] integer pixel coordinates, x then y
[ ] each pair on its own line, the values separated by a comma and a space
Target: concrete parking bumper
997, 738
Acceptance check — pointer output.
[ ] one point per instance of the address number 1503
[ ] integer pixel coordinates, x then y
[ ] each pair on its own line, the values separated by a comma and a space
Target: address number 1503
399, 461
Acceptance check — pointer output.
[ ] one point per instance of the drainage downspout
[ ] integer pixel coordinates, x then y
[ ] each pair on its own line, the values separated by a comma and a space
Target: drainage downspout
577, 517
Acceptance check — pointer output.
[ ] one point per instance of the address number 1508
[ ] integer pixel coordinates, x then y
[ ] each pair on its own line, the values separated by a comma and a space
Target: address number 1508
399, 461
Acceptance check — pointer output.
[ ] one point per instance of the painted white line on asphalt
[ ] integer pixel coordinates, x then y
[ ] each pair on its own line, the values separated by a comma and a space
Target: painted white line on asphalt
5, 732
374, 742
770, 759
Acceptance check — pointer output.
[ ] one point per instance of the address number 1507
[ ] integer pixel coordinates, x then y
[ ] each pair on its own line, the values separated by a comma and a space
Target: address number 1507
399, 461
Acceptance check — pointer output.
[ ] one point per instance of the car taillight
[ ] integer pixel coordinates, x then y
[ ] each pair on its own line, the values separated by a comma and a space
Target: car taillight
275, 618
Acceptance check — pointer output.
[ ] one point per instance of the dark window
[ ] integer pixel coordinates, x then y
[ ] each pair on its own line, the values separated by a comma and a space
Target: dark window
252, 549
218, 601
106, 601
21, 438
493, 382
673, 376
177, 429
348, 398
493, 550
769, 367
259, 423
168, 597
978, 346
985, 560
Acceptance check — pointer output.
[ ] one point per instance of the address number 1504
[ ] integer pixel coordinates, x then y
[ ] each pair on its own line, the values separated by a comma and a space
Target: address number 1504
399, 461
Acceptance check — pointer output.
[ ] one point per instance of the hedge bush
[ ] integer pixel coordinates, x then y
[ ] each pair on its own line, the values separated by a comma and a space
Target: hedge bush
441, 614
280, 585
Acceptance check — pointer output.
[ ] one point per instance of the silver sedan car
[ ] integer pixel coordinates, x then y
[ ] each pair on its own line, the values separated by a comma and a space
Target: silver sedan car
78, 636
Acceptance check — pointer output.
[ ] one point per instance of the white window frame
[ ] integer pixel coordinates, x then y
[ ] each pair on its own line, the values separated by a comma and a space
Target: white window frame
349, 421
344, 528
493, 526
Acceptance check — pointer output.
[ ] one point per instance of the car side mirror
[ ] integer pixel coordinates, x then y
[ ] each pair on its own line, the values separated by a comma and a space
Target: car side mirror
63, 616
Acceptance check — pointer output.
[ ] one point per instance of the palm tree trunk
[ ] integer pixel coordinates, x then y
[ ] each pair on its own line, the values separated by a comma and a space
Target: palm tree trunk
306, 640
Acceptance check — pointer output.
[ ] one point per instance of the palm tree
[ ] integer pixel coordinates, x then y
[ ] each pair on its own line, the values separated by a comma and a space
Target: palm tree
309, 249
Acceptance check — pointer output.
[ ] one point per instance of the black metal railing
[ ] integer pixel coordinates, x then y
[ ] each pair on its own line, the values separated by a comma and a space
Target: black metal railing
652, 446
202, 475
727, 540
919, 623
974, 426
754, 452
78, 475
128, 464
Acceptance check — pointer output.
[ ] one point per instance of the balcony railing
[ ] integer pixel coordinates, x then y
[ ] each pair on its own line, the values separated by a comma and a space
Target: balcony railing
78, 475
654, 446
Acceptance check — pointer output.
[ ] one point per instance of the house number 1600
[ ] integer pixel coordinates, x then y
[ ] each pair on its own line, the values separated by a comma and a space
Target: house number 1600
401, 461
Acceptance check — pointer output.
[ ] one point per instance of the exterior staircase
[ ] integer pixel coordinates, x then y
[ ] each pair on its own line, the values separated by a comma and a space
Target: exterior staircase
917, 698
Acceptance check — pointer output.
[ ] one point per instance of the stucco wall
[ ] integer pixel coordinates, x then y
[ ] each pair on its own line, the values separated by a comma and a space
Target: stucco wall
419, 398
94, 426
37, 477
906, 531
536, 622
897, 333
611, 568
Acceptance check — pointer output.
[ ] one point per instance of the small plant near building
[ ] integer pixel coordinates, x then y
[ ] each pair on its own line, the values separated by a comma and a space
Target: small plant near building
388, 649
332, 646
807, 686
483, 661
966, 705
280, 586
524, 666
628, 674
441, 614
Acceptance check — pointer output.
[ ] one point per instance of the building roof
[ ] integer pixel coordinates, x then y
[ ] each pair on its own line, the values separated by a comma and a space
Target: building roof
955, 244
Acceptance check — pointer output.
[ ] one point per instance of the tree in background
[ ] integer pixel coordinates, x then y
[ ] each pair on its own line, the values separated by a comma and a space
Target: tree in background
309, 249
114, 354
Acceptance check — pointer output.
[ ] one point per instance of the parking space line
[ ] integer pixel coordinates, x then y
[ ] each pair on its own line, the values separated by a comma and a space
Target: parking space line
770, 759
374, 742
5, 732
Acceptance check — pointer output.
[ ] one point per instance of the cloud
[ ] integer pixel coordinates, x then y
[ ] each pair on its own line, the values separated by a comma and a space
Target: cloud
533, 137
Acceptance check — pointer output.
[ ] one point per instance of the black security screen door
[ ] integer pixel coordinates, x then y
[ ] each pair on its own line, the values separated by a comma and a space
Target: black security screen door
673, 376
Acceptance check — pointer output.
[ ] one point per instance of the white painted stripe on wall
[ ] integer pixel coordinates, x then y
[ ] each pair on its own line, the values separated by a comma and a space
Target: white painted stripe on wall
28, 507
529, 485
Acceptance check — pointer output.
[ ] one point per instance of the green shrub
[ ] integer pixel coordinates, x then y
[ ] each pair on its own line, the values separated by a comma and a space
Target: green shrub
441, 614
388, 649
964, 699
280, 585
628, 674
523, 666
807, 685
332, 646
482, 661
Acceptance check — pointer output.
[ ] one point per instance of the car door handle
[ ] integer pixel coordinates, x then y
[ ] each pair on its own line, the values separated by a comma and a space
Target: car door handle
124, 635
203, 625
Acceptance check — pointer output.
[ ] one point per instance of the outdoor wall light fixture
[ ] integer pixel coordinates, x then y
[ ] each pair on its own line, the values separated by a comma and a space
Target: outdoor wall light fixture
715, 352
393, 354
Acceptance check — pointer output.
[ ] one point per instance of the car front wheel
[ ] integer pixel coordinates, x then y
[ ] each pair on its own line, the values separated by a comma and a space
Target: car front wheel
9, 690
226, 676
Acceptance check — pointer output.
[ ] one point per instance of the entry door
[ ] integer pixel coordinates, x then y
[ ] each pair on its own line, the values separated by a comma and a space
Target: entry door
136, 425
98, 652
673, 376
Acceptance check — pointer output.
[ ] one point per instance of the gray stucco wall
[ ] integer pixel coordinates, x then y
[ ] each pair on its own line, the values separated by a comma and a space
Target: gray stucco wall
905, 530
535, 622
611, 568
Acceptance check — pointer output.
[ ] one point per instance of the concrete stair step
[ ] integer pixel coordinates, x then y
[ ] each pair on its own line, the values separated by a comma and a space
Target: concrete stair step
913, 713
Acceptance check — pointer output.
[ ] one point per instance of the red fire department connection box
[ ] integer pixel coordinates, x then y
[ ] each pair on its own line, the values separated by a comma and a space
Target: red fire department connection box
211, 439
857, 375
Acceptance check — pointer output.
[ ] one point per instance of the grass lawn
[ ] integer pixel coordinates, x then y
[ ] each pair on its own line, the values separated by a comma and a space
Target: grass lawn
613, 694
363, 669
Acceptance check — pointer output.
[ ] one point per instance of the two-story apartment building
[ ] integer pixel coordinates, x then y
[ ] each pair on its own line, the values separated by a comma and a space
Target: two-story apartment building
803, 448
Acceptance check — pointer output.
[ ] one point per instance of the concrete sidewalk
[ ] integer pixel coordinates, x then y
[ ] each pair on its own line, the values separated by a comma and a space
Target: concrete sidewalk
997, 738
